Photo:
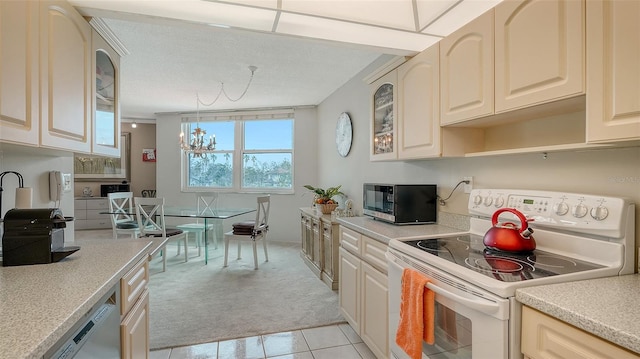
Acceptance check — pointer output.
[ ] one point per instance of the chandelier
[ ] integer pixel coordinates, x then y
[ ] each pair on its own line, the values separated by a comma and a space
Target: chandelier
198, 145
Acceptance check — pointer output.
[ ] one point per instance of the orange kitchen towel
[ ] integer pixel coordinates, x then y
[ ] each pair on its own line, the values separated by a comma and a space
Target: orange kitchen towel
416, 314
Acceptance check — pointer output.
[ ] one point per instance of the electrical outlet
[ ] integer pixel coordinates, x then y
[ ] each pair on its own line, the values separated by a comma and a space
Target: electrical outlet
468, 186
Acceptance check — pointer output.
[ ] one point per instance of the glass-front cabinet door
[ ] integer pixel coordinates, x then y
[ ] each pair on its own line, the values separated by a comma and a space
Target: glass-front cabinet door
106, 106
383, 122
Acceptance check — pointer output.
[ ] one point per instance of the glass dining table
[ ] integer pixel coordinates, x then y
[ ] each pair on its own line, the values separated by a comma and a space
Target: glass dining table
210, 216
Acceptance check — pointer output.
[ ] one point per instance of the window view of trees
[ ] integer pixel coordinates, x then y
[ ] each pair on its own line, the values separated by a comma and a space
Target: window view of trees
264, 158
262, 172
214, 170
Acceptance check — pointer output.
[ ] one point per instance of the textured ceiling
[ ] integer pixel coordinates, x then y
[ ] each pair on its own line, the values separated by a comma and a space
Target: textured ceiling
304, 49
168, 64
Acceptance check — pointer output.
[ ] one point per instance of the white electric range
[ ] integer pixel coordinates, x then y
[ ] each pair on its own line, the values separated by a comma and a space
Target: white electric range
578, 236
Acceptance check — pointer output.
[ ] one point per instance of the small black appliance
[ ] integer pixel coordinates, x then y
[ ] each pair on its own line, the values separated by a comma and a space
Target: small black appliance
34, 236
105, 189
400, 203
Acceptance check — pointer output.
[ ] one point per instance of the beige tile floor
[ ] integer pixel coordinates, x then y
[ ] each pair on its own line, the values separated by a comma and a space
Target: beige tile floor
329, 342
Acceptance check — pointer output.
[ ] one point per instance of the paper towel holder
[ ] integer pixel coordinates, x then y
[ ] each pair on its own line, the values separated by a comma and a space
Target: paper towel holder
20, 184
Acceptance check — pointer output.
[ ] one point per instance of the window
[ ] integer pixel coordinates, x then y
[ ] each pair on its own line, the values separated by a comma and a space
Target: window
253, 153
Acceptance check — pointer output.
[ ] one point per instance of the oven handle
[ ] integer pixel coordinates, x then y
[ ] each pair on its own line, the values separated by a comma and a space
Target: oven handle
482, 305
479, 305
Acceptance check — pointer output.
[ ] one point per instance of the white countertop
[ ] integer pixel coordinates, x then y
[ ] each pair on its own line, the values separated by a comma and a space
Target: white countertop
606, 307
384, 232
40, 303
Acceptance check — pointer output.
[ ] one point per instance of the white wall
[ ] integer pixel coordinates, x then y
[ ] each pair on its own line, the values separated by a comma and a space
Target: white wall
34, 165
607, 172
284, 220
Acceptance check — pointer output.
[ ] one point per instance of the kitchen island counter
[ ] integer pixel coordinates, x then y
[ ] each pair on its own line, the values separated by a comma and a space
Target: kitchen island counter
605, 307
40, 303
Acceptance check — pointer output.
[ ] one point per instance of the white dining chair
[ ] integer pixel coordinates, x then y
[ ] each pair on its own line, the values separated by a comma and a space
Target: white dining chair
258, 232
121, 213
152, 225
207, 202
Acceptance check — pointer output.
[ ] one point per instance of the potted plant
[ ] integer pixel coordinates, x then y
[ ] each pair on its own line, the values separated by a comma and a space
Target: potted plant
324, 197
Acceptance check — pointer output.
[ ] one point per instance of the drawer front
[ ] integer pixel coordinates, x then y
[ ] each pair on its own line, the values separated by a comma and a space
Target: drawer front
79, 224
79, 213
80, 204
350, 240
373, 253
98, 204
133, 284
95, 214
92, 224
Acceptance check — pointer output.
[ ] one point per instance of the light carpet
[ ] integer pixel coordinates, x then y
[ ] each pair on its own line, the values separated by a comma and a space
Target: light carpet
192, 303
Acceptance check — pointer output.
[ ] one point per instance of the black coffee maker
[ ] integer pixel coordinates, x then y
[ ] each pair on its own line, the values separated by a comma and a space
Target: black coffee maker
34, 236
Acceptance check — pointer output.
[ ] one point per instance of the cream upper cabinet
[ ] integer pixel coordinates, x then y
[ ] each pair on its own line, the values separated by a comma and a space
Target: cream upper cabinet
19, 72
418, 133
613, 70
106, 104
384, 114
65, 78
466, 71
539, 52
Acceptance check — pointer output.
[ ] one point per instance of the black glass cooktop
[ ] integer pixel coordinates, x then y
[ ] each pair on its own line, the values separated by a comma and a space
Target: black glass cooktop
469, 251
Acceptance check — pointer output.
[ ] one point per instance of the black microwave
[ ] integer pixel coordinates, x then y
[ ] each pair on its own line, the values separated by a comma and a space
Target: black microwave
105, 189
400, 203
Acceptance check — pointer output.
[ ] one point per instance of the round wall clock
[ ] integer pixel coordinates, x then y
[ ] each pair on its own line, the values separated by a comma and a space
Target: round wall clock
344, 134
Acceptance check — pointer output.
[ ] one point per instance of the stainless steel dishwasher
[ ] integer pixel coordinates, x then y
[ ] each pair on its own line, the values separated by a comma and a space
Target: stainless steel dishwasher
96, 336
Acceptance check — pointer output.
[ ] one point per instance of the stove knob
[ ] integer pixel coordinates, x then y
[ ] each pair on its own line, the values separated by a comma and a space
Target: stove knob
579, 210
488, 201
561, 208
599, 213
477, 200
499, 202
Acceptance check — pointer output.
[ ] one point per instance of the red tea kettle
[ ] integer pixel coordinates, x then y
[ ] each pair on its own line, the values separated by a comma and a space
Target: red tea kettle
507, 236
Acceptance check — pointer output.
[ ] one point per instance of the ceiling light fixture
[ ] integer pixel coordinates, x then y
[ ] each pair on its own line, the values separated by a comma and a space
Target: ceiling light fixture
196, 145
134, 124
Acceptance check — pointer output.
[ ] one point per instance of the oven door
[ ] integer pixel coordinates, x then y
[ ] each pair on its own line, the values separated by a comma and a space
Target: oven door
469, 322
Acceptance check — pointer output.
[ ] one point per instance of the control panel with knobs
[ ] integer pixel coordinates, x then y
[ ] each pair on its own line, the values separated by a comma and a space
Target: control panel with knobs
574, 212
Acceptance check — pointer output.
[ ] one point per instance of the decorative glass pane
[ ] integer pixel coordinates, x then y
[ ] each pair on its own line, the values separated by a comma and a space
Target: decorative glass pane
105, 121
383, 119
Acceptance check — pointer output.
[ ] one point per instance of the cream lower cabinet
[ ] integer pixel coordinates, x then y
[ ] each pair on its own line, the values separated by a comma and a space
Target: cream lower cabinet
320, 245
546, 337
311, 242
134, 311
613, 70
88, 213
363, 293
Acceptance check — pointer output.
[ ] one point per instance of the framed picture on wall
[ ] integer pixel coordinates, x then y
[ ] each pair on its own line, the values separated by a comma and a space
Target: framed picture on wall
149, 155
89, 168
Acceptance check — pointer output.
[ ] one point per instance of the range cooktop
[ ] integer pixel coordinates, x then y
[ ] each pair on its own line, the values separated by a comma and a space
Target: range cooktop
469, 251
